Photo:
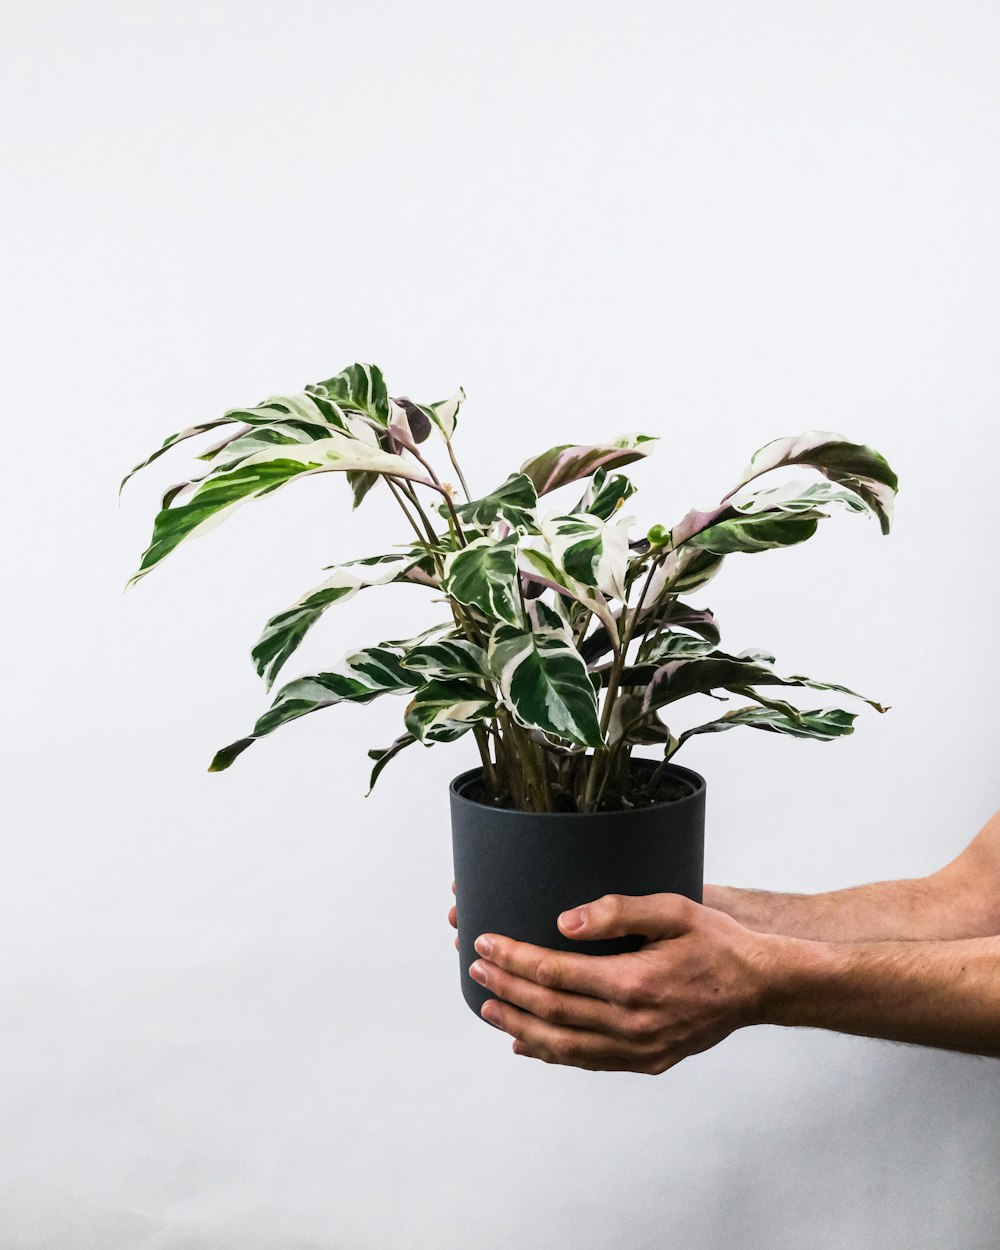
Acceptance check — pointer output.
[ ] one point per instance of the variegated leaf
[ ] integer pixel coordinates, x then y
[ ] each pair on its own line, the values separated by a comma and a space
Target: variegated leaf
591, 551
571, 461
537, 563
283, 633
442, 711
363, 676
756, 533
676, 679
822, 725
484, 575
672, 645
383, 755
605, 494
446, 658
860, 469
358, 388
513, 501
444, 413
265, 471
545, 684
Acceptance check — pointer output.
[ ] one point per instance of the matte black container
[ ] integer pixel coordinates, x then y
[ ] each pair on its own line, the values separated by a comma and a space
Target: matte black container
515, 872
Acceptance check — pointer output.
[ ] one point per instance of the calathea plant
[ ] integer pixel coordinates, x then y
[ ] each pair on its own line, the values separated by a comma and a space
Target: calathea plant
563, 643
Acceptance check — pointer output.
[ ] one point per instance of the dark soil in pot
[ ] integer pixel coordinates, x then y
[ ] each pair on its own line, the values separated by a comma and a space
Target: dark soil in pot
516, 871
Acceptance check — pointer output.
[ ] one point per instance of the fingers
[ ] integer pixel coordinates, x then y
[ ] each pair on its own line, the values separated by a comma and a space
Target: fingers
578, 1048
453, 917
556, 1007
608, 978
615, 915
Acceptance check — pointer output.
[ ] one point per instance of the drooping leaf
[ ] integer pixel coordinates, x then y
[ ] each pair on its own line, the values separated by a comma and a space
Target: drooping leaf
756, 533
545, 684
283, 633
484, 575
571, 461
218, 495
513, 501
858, 468
822, 725
675, 645
362, 677
442, 711
383, 755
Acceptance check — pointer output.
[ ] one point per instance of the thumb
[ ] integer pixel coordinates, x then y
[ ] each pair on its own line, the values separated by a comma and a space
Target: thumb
616, 915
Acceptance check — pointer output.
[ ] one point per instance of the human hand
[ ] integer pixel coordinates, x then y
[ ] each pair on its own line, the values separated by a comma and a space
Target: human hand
700, 976
453, 915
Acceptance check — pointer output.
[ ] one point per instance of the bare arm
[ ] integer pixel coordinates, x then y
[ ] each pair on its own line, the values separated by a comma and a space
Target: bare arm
961, 900
944, 994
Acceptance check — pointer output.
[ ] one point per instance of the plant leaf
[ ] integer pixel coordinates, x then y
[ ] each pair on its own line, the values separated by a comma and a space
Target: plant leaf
446, 658
358, 388
283, 633
442, 711
513, 501
571, 461
591, 551
545, 684
822, 725
484, 575
363, 676
217, 496
383, 755
605, 494
860, 469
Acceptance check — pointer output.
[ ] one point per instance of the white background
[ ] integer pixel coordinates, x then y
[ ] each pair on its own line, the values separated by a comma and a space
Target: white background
230, 1006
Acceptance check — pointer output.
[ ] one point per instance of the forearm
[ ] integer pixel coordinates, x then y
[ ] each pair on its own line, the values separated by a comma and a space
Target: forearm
943, 994
908, 910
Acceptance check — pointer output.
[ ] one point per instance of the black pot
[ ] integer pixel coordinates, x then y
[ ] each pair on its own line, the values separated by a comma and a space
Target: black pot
515, 872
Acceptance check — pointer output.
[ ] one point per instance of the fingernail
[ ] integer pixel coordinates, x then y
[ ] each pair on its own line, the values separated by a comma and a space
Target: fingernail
484, 946
574, 919
491, 1013
478, 972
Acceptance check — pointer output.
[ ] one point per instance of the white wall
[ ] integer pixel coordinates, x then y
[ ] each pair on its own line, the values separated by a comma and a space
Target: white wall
230, 1006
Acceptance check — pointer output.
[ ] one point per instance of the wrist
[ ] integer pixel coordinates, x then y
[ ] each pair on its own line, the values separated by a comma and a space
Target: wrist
794, 978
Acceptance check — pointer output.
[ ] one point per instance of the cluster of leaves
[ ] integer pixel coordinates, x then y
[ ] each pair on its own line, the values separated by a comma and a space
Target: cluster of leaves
567, 642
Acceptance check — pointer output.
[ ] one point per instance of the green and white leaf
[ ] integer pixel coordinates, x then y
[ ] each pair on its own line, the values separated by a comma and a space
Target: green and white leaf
858, 468
447, 658
363, 676
545, 684
571, 461
358, 388
591, 551
822, 725
216, 497
673, 645
442, 711
484, 575
605, 494
383, 755
513, 501
283, 633
537, 563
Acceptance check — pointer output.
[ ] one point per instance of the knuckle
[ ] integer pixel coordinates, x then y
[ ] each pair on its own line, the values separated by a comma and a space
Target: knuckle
636, 991
644, 1024
547, 972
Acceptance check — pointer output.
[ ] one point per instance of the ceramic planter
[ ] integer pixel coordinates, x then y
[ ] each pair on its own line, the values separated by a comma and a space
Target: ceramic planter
516, 871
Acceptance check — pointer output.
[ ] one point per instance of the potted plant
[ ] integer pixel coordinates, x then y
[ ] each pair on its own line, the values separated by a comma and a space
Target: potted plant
561, 643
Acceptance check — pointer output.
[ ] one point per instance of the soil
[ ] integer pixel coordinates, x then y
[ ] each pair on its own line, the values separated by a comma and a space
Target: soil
665, 791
